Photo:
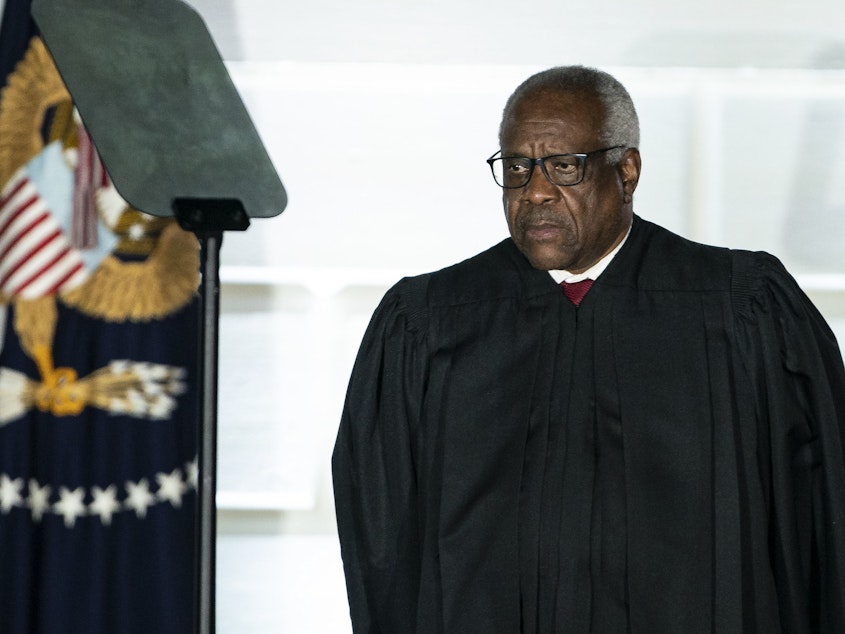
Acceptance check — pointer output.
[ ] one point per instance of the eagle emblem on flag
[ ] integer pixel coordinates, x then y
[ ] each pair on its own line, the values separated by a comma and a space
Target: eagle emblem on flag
41, 259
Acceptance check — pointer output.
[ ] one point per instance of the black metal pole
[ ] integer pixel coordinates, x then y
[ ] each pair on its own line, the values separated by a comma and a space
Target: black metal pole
208, 219
206, 513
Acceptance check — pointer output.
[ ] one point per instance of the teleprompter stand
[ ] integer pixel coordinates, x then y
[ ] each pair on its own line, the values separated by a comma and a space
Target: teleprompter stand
208, 219
176, 139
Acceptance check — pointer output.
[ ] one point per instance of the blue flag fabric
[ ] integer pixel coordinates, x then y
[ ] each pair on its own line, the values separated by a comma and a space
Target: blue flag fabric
98, 365
16, 29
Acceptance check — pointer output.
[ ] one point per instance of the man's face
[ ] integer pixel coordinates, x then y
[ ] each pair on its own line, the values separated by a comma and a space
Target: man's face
566, 227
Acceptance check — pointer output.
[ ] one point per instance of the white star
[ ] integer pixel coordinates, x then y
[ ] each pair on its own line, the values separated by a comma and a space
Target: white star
39, 499
138, 497
10, 492
70, 505
105, 503
171, 487
192, 473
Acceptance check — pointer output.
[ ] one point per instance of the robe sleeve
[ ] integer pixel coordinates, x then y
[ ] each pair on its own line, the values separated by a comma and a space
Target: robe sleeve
798, 376
373, 472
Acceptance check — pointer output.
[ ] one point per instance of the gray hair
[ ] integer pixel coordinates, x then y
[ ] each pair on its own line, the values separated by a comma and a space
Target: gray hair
621, 124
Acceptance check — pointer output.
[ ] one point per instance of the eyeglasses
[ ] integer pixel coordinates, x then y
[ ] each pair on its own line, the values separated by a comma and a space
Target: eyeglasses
513, 172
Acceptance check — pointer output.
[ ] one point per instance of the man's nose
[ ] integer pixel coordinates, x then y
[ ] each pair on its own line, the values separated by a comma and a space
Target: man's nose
539, 188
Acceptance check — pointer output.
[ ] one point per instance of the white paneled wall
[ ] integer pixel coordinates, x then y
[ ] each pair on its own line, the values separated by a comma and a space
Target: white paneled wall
384, 164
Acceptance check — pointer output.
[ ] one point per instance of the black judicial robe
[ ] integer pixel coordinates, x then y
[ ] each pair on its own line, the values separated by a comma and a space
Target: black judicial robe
666, 458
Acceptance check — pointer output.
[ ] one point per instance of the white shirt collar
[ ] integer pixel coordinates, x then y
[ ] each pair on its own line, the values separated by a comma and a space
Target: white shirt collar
594, 271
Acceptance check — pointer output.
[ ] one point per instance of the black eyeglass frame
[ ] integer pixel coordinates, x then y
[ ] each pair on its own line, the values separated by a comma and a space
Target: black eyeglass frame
581, 156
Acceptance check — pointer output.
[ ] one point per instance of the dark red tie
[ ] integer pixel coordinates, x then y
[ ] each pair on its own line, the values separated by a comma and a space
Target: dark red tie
575, 291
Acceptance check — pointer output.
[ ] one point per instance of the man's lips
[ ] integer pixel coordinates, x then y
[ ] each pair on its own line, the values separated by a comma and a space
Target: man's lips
540, 224
542, 231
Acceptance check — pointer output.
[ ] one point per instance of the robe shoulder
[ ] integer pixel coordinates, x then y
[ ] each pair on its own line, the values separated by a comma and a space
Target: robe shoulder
760, 280
771, 318
758, 283
656, 259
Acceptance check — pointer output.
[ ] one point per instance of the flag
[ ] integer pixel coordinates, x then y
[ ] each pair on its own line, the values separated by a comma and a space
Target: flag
98, 366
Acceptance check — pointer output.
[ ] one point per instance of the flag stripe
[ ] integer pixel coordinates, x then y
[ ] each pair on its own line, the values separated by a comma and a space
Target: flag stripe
27, 234
15, 240
13, 213
36, 257
17, 182
69, 265
30, 256
76, 275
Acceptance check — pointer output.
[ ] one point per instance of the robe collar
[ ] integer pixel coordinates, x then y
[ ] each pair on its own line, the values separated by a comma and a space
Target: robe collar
594, 271
618, 269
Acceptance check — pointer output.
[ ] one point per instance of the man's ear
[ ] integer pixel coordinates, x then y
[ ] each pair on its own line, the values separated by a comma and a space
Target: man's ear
629, 168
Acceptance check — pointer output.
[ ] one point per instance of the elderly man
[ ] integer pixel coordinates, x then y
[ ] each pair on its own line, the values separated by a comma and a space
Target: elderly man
656, 447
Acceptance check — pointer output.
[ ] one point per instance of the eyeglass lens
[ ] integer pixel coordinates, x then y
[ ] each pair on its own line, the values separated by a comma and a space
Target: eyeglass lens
562, 169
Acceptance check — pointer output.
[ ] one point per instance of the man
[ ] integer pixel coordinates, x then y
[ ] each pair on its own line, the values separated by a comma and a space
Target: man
663, 454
